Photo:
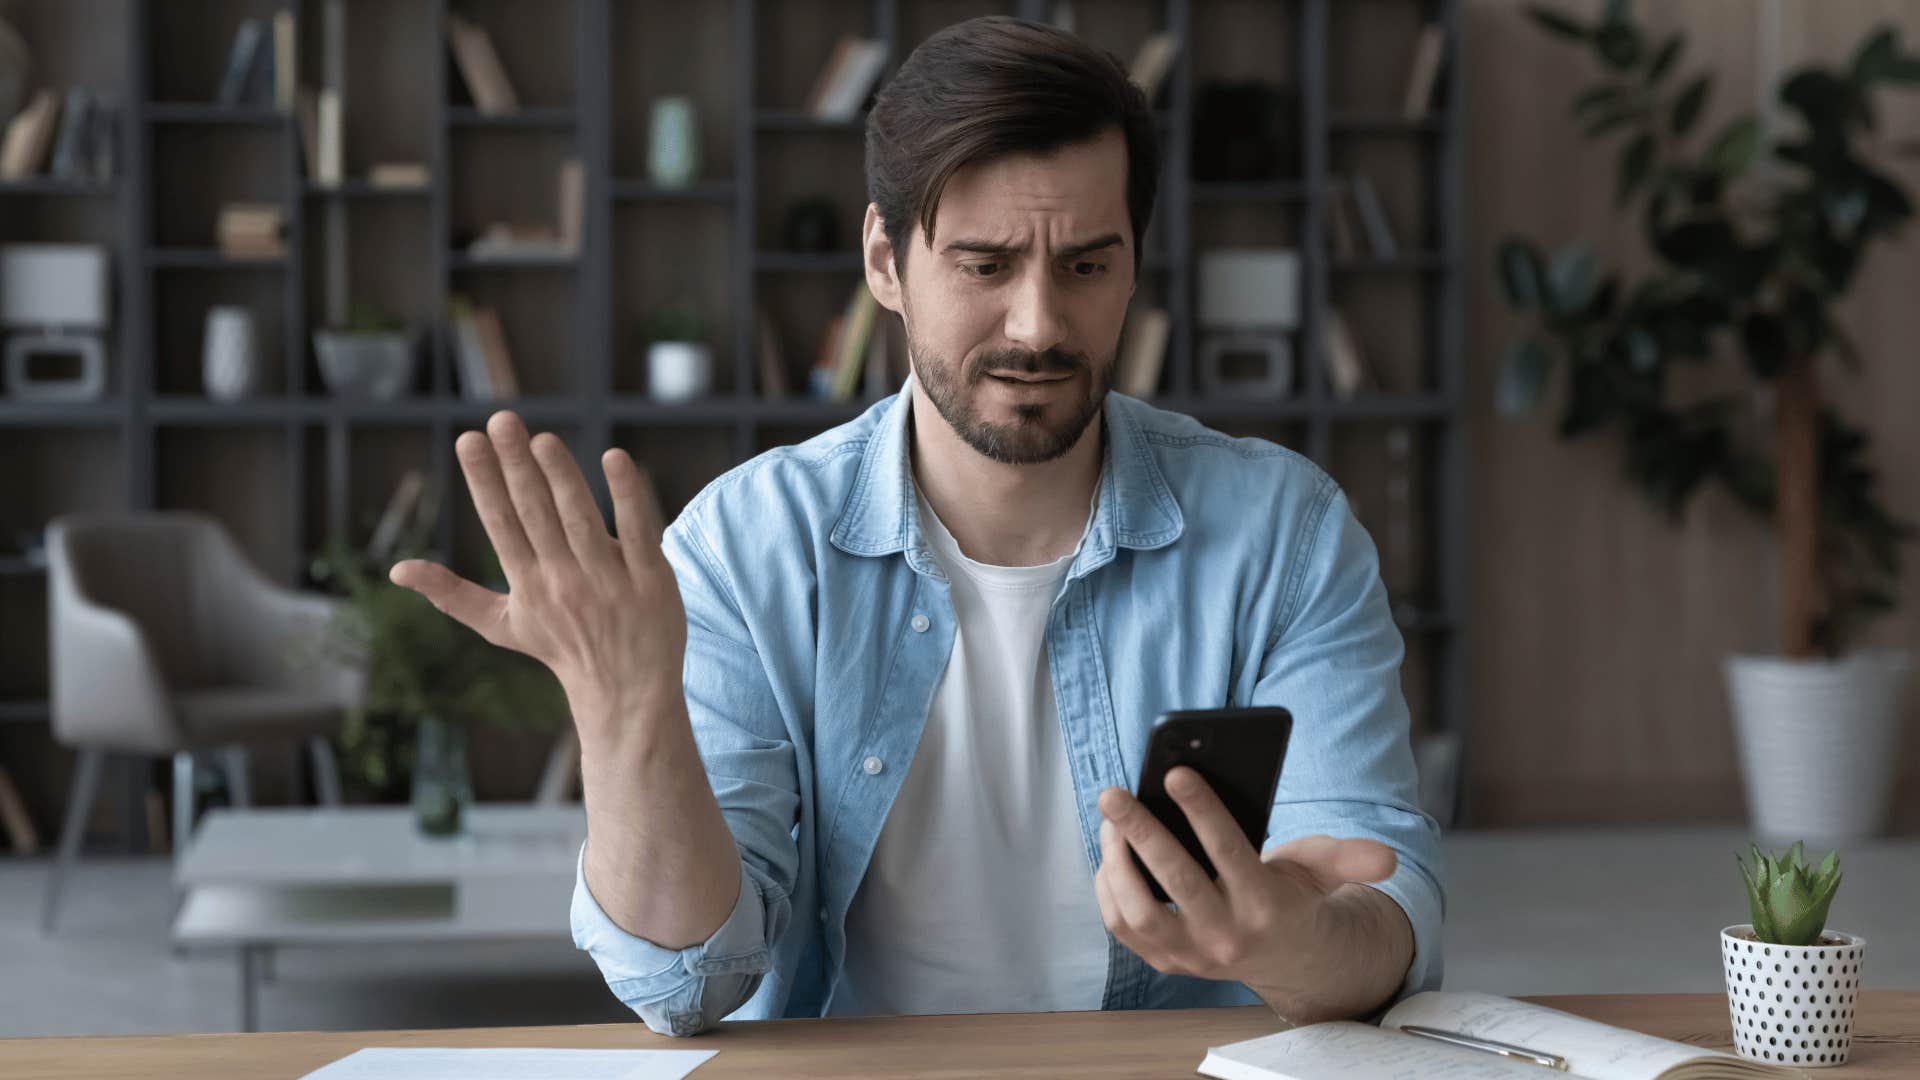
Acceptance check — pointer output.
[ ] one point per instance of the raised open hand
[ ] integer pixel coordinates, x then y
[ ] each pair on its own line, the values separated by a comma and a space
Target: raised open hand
603, 613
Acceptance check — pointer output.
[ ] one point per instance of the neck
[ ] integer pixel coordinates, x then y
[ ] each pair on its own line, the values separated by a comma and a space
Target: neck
1001, 514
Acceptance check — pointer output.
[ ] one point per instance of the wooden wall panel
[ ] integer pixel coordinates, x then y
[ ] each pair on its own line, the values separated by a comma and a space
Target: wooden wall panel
1598, 626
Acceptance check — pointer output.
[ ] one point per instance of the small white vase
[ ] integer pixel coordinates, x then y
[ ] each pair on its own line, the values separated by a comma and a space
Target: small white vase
673, 143
1818, 743
229, 364
678, 370
1792, 1004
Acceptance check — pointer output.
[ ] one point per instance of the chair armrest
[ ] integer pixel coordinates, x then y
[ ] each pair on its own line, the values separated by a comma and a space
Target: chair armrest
107, 691
279, 639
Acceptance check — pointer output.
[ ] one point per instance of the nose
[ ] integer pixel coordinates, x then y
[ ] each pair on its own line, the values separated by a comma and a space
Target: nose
1036, 320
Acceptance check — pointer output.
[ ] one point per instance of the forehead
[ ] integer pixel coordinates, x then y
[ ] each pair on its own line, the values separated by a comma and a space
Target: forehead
1079, 189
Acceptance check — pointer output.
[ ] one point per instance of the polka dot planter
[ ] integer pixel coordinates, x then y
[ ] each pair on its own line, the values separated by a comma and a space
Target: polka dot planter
1792, 1004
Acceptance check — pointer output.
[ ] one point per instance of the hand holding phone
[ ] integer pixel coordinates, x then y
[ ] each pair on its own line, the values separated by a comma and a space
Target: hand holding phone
1238, 752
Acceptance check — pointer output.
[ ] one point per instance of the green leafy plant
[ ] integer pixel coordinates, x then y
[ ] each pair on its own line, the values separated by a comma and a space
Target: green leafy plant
421, 662
1788, 901
677, 321
1756, 237
366, 317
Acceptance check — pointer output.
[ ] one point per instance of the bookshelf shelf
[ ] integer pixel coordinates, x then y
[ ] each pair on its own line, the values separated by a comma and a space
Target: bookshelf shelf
201, 112
207, 259
808, 262
51, 185
361, 189
1370, 123
1245, 191
61, 414
718, 191
530, 116
27, 711
795, 120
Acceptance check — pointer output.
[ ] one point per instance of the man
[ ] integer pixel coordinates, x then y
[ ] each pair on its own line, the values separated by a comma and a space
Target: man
858, 730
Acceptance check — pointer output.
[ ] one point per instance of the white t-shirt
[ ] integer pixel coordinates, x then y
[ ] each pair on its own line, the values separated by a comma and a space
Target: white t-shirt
979, 897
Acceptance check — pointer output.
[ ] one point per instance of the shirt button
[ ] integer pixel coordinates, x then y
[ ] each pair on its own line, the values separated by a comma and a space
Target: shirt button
823, 914
920, 624
873, 765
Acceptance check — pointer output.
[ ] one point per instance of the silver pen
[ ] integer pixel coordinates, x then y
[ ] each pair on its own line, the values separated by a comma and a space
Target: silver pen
1551, 1061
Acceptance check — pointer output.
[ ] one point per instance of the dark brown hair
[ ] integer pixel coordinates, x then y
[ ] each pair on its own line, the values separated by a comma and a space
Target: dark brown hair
993, 86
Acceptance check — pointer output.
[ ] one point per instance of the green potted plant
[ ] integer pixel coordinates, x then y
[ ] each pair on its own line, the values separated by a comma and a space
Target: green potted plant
1791, 982
430, 680
371, 355
1756, 236
679, 359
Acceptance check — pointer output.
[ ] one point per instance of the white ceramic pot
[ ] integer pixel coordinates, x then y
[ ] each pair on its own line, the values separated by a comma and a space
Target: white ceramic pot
230, 366
1818, 743
1792, 1004
678, 370
366, 365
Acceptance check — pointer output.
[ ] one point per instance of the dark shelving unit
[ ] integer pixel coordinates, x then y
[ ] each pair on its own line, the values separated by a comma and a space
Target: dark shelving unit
333, 454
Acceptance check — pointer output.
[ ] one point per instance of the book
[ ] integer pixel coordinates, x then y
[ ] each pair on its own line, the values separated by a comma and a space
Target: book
1152, 62
250, 231
24, 150
848, 77
331, 168
70, 146
1341, 243
284, 53
1347, 371
306, 113
770, 357
1374, 216
480, 66
399, 175
1143, 349
1423, 78
242, 56
470, 352
499, 360
851, 351
387, 532
572, 203
820, 377
1351, 1050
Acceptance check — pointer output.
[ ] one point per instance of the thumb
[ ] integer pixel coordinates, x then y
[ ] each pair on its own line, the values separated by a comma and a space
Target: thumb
1333, 862
476, 608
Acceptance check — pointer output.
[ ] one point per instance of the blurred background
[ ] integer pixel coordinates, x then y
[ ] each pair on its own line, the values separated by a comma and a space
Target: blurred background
1600, 311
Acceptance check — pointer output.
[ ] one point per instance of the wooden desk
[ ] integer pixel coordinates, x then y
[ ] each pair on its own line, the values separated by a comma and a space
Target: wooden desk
1886, 1043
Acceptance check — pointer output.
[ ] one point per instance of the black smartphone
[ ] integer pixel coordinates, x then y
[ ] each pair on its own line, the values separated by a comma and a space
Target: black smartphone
1237, 751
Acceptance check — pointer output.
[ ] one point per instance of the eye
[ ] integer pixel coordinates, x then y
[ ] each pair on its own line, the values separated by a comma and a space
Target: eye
972, 267
1089, 269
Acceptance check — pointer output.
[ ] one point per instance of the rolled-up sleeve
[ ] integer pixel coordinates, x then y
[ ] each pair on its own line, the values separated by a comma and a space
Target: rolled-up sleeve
1334, 661
750, 763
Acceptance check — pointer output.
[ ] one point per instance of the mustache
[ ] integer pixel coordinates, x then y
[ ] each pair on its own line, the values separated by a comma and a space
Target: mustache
1051, 362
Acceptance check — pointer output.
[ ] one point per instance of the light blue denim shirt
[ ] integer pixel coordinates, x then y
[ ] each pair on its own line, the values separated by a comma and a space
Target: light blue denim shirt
1216, 571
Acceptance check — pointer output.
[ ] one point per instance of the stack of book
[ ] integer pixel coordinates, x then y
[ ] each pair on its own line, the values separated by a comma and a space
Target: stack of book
480, 68
251, 231
862, 341
480, 350
506, 241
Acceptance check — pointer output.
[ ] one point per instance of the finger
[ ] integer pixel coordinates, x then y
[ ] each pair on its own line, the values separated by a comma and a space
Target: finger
476, 607
1333, 862
580, 518
1226, 845
1122, 933
488, 486
527, 485
1183, 878
636, 507
1152, 924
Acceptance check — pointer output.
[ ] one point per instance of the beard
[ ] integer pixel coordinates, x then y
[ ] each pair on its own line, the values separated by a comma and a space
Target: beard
1038, 433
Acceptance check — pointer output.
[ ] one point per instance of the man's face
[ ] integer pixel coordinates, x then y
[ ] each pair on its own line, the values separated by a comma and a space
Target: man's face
1014, 314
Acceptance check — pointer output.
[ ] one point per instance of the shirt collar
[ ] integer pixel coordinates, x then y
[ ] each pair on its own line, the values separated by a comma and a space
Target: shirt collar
1135, 509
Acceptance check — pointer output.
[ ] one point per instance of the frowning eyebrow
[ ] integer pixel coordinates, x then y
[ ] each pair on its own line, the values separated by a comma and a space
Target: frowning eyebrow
990, 247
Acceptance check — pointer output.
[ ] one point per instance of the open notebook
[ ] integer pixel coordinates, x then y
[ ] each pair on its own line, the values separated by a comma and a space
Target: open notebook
1349, 1050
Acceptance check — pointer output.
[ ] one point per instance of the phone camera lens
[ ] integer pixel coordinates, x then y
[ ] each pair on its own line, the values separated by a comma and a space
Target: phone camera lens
1195, 743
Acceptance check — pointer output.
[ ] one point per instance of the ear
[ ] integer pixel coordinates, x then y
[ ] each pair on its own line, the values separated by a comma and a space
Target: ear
878, 252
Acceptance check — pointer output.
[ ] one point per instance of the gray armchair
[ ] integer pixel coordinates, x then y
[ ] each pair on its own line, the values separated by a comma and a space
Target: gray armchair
166, 641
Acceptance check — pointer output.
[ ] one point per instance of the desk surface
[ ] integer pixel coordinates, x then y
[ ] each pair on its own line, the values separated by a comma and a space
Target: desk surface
1154, 1043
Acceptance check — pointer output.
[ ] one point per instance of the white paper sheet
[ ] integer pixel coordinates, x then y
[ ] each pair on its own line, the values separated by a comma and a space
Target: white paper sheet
511, 1063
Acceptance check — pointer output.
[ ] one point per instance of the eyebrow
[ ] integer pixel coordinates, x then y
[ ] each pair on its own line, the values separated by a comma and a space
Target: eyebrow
990, 247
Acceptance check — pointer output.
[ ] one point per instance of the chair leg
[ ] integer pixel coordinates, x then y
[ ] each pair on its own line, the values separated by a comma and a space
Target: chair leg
233, 759
86, 783
326, 771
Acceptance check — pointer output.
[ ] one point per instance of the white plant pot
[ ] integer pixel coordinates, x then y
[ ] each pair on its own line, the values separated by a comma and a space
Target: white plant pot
230, 367
1818, 743
678, 370
1792, 1004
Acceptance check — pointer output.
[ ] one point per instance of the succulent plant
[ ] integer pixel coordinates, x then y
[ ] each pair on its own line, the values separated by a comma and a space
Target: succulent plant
1788, 899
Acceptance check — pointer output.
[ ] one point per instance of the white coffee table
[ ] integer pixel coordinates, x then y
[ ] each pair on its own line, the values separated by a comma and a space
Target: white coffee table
262, 879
